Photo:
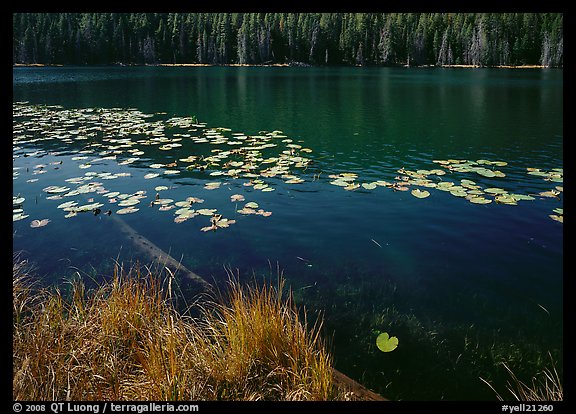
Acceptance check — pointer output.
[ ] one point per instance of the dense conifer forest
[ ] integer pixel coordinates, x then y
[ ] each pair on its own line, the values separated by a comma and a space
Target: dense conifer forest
479, 39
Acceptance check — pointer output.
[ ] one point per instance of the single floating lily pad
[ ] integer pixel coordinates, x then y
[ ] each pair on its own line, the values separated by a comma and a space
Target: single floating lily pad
385, 343
127, 210
19, 216
479, 200
559, 218
506, 199
251, 204
494, 190
420, 194
236, 197
39, 223
206, 211
369, 186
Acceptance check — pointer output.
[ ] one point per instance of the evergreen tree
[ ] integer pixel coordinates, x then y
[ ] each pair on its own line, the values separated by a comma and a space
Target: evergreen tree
482, 39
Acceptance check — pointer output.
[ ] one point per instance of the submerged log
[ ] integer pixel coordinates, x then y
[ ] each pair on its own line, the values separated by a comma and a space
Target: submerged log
156, 254
356, 390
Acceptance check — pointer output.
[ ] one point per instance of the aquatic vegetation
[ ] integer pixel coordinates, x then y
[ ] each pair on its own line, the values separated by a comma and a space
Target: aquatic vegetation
420, 194
386, 343
261, 162
39, 223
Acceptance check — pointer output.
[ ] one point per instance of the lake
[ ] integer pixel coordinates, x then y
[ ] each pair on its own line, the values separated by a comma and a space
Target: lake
421, 202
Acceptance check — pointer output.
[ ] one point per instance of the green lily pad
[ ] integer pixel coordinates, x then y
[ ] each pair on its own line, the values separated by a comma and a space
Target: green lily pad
479, 200
420, 194
551, 193
506, 199
127, 210
55, 189
559, 218
519, 197
132, 201
385, 343
494, 190
369, 186
339, 182
212, 186
458, 192
19, 216
206, 211
68, 204
486, 173
352, 186
445, 185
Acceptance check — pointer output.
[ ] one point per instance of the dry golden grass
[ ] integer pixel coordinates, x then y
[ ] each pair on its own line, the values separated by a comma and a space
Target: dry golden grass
125, 341
545, 386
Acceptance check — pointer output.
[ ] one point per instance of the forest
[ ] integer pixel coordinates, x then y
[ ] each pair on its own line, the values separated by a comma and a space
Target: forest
364, 39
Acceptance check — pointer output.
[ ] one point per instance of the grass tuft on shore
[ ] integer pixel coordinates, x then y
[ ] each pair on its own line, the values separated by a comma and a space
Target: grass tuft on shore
546, 385
124, 340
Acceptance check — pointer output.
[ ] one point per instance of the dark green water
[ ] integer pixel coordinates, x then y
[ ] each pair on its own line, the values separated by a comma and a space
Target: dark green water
463, 286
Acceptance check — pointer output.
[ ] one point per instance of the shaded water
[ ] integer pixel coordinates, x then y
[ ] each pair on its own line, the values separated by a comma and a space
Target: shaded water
463, 286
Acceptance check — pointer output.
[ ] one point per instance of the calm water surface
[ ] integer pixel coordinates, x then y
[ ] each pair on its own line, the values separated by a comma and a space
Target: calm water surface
463, 286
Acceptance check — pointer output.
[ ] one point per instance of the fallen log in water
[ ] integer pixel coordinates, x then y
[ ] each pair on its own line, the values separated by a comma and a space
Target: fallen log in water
156, 254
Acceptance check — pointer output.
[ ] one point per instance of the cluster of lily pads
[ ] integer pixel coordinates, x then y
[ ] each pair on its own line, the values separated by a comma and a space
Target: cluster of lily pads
99, 136
465, 188
126, 135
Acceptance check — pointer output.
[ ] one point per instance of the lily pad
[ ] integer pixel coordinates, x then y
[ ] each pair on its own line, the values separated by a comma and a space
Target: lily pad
212, 186
458, 192
550, 193
339, 182
206, 211
127, 210
385, 343
55, 189
246, 211
486, 173
369, 186
420, 194
494, 190
68, 204
237, 197
19, 216
193, 200
519, 197
162, 201
479, 200
251, 204
39, 223
506, 199
129, 202
559, 218
225, 222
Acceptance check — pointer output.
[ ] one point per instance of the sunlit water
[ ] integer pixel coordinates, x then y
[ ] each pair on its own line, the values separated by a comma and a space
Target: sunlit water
462, 285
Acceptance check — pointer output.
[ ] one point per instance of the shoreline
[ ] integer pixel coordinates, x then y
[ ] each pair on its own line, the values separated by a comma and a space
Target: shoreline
294, 64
